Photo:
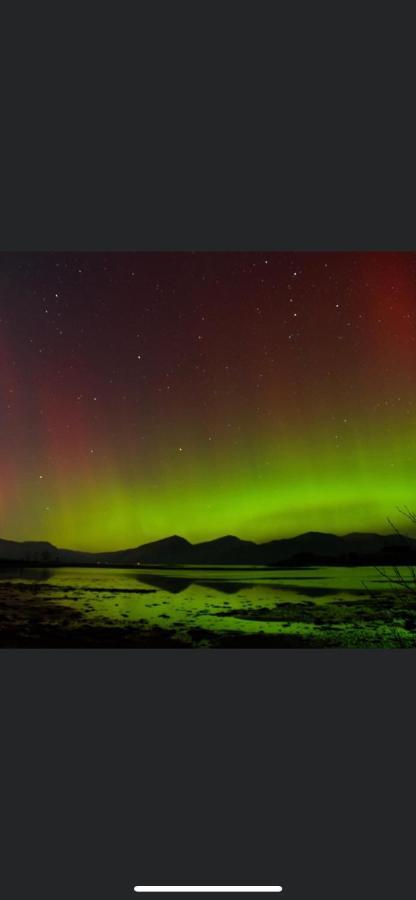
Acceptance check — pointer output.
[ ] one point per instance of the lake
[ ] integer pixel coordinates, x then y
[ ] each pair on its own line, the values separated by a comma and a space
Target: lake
207, 607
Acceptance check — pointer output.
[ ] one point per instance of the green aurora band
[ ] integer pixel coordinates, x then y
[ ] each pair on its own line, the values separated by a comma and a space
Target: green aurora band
282, 493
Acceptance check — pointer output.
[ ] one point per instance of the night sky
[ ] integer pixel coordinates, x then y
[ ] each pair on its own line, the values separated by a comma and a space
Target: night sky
258, 394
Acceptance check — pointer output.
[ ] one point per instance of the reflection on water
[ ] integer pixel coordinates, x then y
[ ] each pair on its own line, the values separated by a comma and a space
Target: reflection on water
211, 601
24, 574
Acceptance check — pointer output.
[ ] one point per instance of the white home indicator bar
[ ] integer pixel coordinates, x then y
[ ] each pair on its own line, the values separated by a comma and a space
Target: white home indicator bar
167, 889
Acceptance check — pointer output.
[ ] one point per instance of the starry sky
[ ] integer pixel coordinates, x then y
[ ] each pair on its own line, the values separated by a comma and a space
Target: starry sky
258, 394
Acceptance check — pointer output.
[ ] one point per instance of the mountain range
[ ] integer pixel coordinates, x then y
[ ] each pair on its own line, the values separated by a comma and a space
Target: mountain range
310, 548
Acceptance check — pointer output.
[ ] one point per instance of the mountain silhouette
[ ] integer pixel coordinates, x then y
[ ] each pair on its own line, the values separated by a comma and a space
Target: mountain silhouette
313, 547
227, 550
173, 550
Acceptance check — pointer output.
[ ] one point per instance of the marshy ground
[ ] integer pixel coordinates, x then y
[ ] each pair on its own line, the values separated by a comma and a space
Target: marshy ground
237, 608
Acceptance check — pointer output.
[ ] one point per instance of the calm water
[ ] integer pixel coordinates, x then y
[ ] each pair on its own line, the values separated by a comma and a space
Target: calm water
212, 601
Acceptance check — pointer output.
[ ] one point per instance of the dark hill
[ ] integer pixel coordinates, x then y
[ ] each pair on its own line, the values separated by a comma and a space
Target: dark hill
173, 551
228, 550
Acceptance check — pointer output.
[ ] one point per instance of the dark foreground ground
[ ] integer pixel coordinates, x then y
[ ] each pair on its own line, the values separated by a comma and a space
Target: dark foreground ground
31, 619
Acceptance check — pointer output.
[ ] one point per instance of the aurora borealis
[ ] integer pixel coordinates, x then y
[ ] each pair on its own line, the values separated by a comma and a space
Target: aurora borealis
259, 394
